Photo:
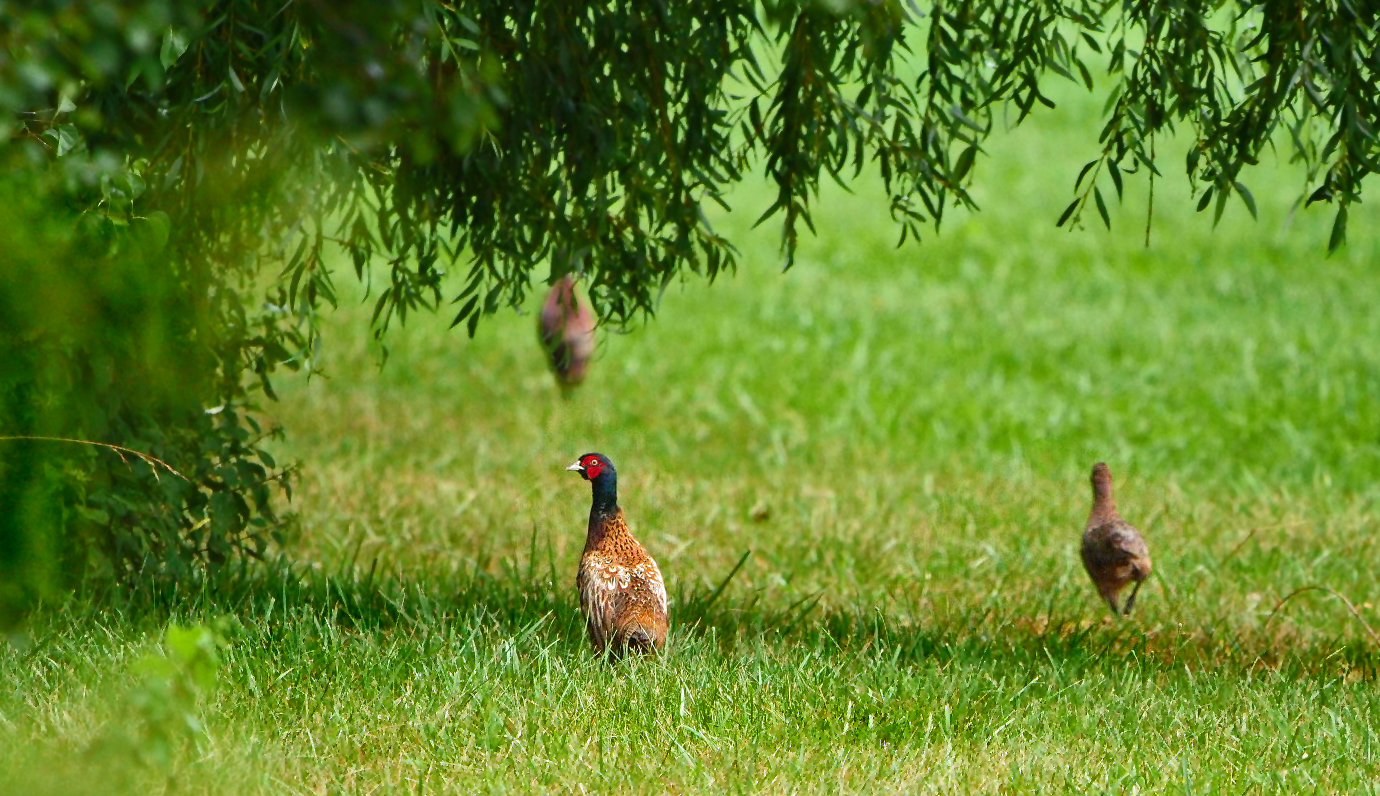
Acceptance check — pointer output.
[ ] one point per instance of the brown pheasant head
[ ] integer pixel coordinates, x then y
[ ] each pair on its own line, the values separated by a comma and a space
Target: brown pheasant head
1103, 505
1101, 480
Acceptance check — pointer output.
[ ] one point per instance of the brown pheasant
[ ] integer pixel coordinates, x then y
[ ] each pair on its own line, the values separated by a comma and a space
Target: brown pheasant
621, 593
566, 327
1113, 552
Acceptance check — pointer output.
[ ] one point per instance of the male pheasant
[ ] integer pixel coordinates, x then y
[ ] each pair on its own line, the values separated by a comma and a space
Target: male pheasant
566, 327
1113, 552
621, 593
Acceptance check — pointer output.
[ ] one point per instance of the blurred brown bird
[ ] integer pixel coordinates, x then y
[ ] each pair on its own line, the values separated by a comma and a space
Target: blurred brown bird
1113, 552
566, 328
621, 593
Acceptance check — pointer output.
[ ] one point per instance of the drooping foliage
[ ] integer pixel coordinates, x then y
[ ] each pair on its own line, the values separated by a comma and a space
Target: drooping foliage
167, 162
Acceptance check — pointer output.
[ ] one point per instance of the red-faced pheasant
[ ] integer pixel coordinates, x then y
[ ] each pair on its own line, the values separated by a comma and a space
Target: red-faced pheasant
1113, 552
621, 593
566, 327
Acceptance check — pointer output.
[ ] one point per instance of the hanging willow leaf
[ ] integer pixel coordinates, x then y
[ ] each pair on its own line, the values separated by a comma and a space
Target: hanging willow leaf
1068, 212
1246, 198
1338, 236
1102, 208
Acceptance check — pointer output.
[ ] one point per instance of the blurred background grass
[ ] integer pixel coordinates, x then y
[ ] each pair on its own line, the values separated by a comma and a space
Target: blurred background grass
911, 424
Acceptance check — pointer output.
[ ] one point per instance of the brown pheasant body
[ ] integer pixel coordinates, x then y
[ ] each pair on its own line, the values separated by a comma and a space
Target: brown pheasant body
1114, 554
566, 327
622, 595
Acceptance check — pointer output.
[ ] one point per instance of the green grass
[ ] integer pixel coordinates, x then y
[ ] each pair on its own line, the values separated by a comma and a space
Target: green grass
901, 439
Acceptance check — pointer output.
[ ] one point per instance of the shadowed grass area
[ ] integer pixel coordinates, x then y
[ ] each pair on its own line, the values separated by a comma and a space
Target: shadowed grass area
478, 683
895, 444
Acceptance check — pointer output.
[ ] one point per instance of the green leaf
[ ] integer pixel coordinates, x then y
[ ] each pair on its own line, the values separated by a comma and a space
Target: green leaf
1221, 205
98, 516
1087, 167
1115, 170
67, 138
154, 229
1102, 207
1083, 72
1068, 211
1338, 237
174, 45
962, 117
965, 162
1207, 197
466, 311
135, 184
777, 205
1246, 197
1112, 99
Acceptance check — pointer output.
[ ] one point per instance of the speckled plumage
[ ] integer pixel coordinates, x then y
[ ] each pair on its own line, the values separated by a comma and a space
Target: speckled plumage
566, 327
1114, 553
621, 592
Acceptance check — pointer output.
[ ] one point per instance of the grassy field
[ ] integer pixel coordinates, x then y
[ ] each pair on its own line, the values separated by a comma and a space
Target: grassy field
896, 445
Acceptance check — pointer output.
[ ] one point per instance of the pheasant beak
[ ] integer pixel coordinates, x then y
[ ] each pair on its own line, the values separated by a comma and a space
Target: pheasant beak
577, 467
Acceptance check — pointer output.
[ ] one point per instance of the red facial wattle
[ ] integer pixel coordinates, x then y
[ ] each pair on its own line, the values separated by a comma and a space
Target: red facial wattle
593, 467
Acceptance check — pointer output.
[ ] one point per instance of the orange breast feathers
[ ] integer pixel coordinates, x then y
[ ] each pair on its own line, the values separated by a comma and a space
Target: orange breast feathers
622, 597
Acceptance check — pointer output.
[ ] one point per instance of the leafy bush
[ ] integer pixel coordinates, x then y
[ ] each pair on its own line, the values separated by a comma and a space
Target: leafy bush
105, 340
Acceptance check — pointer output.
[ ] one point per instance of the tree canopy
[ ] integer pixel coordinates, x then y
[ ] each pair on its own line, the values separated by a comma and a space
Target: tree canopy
454, 147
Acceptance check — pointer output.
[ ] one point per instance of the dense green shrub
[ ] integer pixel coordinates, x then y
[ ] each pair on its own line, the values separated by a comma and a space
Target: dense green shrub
104, 340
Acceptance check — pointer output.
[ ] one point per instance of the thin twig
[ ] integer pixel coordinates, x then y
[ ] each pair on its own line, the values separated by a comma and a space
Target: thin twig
1243, 542
1296, 592
149, 459
1237, 548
